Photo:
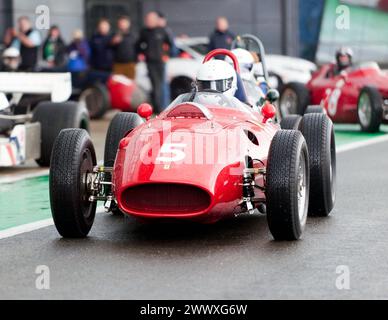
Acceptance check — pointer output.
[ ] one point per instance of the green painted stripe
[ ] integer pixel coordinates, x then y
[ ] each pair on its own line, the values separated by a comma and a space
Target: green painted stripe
349, 133
24, 202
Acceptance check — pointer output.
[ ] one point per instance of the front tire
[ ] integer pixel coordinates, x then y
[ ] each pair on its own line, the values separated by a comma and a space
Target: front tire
73, 158
369, 109
319, 134
287, 185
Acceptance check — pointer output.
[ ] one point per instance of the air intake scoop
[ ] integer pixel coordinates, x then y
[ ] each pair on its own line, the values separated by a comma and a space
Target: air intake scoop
190, 110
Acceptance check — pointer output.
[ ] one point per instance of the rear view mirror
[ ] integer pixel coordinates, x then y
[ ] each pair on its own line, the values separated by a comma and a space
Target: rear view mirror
272, 95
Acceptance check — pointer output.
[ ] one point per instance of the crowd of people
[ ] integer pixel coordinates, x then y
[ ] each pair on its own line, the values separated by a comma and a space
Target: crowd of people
106, 52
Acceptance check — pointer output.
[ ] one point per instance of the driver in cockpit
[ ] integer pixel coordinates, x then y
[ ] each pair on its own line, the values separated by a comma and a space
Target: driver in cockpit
344, 59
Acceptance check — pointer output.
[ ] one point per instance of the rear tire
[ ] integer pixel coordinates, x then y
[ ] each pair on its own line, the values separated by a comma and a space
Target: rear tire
120, 125
294, 99
319, 134
287, 185
53, 117
369, 109
72, 159
315, 109
96, 99
291, 122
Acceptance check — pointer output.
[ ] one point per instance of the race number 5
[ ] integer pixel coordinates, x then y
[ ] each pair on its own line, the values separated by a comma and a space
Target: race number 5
172, 152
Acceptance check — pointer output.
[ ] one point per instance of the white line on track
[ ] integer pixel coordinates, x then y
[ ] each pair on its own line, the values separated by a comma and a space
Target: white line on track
21, 176
11, 232
49, 222
361, 144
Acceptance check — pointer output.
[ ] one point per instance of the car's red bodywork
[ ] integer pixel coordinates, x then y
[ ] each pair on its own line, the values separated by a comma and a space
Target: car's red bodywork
339, 93
196, 187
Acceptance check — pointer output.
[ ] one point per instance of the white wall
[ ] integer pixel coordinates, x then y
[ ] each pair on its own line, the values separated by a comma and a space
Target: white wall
67, 14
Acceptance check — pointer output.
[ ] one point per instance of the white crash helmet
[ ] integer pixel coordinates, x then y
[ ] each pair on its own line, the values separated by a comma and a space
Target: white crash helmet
244, 57
217, 75
11, 58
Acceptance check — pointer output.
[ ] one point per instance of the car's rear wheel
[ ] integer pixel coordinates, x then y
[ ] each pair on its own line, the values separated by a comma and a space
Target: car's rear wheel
319, 134
291, 122
287, 185
120, 125
370, 109
294, 99
315, 109
53, 117
96, 99
72, 163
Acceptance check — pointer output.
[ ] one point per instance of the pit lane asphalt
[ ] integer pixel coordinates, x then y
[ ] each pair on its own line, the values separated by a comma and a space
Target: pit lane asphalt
236, 259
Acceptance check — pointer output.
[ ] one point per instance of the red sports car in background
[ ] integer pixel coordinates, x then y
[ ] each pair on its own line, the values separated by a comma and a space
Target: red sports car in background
356, 95
206, 157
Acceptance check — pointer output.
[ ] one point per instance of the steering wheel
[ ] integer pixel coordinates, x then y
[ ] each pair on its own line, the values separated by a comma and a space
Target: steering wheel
223, 52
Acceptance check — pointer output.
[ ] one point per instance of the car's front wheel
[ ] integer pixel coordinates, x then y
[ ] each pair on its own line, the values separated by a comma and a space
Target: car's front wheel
287, 185
369, 109
72, 162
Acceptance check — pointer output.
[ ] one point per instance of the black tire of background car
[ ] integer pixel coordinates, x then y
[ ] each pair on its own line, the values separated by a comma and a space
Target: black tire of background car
53, 117
319, 134
302, 93
287, 149
180, 85
120, 125
291, 122
96, 99
73, 157
377, 109
278, 79
314, 109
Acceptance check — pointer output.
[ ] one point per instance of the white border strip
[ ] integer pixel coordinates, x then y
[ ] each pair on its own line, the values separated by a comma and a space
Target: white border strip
21, 176
11, 232
361, 144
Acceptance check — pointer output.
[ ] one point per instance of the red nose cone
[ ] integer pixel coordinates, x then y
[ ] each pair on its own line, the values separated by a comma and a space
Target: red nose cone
145, 111
268, 111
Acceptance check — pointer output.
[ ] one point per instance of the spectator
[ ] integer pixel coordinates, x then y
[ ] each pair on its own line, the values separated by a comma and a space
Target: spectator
54, 49
27, 40
10, 60
169, 51
79, 53
151, 43
101, 58
124, 46
221, 38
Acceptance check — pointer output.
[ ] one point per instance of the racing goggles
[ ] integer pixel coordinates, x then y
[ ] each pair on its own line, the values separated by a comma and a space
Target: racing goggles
215, 85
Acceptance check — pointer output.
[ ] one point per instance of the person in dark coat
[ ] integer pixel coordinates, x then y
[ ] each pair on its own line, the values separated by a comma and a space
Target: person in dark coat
124, 47
152, 44
27, 40
54, 49
221, 38
101, 53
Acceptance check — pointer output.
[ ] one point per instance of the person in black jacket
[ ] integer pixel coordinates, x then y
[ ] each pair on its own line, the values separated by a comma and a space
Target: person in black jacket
101, 53
54, 49
152, 44
27, 40
124, 43
221, 38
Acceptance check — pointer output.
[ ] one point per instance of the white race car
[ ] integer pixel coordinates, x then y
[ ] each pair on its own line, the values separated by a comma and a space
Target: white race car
181, 71
29, 123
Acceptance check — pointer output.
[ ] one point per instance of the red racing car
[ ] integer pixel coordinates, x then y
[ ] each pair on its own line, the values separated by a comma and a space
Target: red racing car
205, 158
357, 95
